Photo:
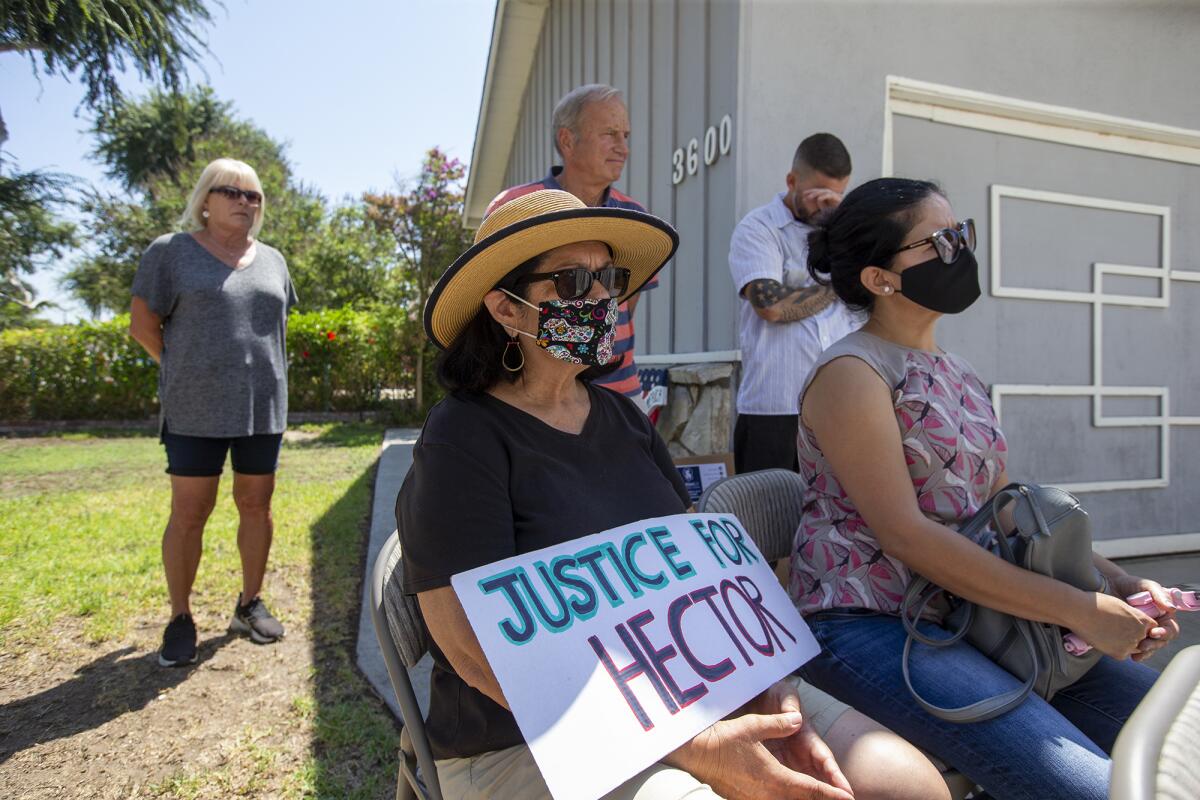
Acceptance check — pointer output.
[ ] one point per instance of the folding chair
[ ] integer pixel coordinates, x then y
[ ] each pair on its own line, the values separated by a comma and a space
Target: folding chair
770, 503
403, 640
1157, 755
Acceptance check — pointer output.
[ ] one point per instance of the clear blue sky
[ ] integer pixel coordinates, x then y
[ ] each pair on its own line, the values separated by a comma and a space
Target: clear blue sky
359, 89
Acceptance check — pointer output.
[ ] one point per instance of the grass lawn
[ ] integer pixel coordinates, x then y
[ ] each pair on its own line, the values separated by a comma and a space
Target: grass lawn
84, 709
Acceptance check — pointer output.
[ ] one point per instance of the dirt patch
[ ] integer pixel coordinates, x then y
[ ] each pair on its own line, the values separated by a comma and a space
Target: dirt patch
8, 443
106, 721
84, 479
103, 720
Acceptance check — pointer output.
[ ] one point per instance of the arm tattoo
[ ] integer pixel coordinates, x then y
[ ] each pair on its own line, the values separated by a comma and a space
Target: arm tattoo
793, 305
806, 302
765, 292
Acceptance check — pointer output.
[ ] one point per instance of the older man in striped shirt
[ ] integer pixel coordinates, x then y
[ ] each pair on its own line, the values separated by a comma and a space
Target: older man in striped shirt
591, 133
785, 321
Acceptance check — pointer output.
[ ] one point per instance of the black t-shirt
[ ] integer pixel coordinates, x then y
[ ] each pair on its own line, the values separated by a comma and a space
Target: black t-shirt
490, 481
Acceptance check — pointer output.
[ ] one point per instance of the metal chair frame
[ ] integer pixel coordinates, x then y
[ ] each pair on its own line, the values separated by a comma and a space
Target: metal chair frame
418, 773
1168, 713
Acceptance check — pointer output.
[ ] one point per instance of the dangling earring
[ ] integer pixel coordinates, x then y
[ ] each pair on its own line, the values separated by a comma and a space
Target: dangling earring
504, 356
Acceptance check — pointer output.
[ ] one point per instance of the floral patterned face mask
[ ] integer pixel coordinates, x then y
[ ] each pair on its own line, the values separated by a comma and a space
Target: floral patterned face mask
575, 331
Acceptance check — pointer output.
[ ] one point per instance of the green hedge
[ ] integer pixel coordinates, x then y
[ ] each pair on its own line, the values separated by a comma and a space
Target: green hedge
338, 360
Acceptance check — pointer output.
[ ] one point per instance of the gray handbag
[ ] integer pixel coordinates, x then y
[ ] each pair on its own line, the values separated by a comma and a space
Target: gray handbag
1053, 536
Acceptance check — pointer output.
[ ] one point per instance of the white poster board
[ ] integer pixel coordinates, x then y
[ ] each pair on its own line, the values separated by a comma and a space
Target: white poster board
615, 648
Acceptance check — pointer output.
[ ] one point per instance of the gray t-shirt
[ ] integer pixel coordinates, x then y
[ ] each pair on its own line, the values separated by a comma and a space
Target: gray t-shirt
224, 361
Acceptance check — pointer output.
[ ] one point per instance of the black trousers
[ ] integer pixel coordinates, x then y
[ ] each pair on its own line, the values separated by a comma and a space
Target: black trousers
765, 441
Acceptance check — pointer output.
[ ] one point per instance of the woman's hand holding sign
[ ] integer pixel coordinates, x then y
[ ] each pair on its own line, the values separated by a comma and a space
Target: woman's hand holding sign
768, 752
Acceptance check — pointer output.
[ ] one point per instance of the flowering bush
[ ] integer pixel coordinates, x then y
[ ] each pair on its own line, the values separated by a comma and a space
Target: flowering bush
338, 360
348, 360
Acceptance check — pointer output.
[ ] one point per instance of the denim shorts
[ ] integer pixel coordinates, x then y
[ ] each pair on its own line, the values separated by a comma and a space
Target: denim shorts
204, 456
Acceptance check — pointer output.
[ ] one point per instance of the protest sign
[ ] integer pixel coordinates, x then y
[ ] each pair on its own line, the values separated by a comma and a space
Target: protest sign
614, 649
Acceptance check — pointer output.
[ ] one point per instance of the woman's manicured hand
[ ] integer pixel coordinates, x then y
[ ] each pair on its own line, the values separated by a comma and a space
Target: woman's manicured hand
1166, 626
1111, 625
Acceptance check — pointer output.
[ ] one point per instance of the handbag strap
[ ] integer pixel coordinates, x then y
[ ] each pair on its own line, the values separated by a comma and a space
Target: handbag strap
920, 591
988, 707
918, 595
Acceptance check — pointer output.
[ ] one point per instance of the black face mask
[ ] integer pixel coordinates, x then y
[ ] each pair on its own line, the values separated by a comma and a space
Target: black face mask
945, 288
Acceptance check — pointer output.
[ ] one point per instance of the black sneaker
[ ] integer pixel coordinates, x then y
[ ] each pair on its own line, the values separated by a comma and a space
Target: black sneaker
179, 642
255, 620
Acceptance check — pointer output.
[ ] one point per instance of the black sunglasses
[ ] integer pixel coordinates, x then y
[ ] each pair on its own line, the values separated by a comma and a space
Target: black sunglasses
576, 282
948, 241
233, 193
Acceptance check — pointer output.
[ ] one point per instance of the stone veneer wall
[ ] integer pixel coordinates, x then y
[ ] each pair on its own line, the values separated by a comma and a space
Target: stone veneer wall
698, 418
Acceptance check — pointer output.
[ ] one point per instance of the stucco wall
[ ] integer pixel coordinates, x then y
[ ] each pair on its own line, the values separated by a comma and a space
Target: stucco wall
787, 68
810, 65
1133, 60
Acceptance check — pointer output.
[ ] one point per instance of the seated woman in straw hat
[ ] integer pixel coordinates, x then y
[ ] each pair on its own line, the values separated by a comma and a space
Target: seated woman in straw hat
525, 453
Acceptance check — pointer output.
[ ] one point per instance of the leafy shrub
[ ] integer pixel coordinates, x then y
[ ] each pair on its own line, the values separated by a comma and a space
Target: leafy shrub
338, 360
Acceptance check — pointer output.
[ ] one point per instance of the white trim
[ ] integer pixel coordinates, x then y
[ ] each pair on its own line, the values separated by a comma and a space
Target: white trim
516, 29
675, 359
1087, 201
1098, 299
1136, 546
1163, 422
886, 169
743, 202
1062, 125
1051, 123
1162, 271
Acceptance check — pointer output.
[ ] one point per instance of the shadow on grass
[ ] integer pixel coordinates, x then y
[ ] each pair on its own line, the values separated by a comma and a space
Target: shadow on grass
101, 691
355, 739
355, 434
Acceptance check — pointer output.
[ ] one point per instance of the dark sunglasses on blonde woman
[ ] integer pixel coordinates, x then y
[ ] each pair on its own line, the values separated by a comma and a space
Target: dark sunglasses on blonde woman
233, 193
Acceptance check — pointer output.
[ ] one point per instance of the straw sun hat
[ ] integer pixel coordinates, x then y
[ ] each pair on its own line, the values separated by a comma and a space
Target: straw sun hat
529, 226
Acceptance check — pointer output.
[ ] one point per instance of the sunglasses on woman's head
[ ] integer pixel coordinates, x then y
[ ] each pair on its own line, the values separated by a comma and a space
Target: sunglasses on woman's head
576, 282
948, 241
233, 193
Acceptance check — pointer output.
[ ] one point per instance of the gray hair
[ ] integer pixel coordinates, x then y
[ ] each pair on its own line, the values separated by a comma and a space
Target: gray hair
569, 108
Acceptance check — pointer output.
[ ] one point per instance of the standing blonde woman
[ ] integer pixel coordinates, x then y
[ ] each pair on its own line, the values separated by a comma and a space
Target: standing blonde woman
210, 306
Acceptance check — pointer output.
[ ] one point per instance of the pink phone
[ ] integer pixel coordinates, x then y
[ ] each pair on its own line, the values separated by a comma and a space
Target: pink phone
1142, 601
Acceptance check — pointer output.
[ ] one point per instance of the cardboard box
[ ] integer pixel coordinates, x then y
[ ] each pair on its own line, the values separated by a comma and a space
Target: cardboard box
700, 472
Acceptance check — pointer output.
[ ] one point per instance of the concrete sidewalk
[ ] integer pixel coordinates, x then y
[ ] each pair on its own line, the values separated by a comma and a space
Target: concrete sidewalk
394, 461
396, 458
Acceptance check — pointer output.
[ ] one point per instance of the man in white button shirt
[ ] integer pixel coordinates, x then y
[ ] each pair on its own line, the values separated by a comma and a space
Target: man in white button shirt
785, 320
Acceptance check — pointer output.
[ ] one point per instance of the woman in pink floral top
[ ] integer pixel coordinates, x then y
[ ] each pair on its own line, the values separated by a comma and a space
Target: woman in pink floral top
899, 445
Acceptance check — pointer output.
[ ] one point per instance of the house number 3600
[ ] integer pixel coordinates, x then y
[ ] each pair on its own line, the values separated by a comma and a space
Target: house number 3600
718, 141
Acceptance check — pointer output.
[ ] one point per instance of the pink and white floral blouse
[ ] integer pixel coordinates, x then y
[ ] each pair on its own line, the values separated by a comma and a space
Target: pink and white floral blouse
954, 449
